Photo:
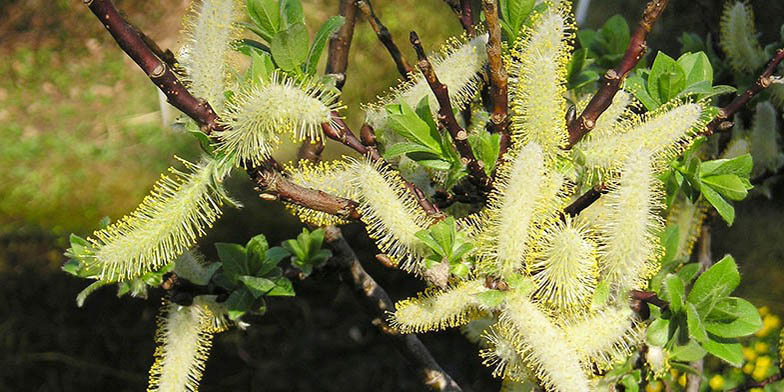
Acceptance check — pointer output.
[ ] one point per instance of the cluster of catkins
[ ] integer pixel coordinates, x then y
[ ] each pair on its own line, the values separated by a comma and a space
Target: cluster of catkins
564, 307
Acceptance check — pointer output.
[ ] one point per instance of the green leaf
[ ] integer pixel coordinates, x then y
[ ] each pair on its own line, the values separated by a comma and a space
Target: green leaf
724, 208
731, 352
733, 317
486, 147
276, 254
256, 253
740, 166
689, 352
515, 12
694, 323
239, 302
715, 284
674, 291
283, 288
261, 67
631, 381
257, 286
72, 267
444, 233
728, 185
600, 295
636, 85
688, 272
658, 332
403, 148
697, 68
233, 258
435, 164
295, 248
266, 15
430, 242
320, 40
404, 121
669, 240
490, 298
290, 48
614, 35
292, 12
666, 79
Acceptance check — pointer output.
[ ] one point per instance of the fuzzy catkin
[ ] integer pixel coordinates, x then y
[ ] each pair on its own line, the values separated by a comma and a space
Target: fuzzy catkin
604, 337
333, 177
739, 38
438, 310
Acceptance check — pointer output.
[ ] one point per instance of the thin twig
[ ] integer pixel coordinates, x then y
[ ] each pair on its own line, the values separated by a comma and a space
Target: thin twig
385, 37
770, 380
721, 122
161, 74
446, 117
377, 303
613, 79
584, 201
466, 16
498, 77
340, 43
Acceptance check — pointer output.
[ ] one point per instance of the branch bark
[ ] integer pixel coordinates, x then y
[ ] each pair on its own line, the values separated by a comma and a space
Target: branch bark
583, 202
340, 43
498, 77
377, 303
446, 118
722, 121
613, 79
385, 37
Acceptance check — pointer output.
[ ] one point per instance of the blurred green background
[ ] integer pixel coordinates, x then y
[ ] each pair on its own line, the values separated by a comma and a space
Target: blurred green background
83, 135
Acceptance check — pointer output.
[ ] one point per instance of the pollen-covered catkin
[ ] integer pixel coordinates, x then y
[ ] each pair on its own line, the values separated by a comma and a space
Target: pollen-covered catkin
739, 38
258, 115
565, 270
438, 309
458, 67
391, 214
630, 243
501, 354
332, 177
209, 32
537, 82
765, 139
544, 346
688, 217
184, 339
664, 133
523, 196
605, 336
169, 220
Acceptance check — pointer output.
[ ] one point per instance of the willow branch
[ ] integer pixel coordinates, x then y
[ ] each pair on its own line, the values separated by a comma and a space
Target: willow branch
385, 37
377, 303
466, 16
612, 80
134, 44
340, 43
721, 122
770, 380
446, 117
498, 77
584, 201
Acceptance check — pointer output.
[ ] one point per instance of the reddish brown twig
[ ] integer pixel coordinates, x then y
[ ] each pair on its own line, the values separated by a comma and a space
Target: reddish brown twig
161, 74
385, 37
770, 380
340, 43
446, 117
377, 303
721, 122
498, 77
467, 16
583, 202
612, 80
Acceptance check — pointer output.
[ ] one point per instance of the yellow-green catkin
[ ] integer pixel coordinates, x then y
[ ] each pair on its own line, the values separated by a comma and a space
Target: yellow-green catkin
260, 113
184, 339
538, 82
565, 270
458, 66
501, 354
664, 133
739, 37
523, 199
609, 123
332, 177
544, 346
765, 145
604, 337
437, 310
630, 248
391, 214
171, 218
688, 216
209, 33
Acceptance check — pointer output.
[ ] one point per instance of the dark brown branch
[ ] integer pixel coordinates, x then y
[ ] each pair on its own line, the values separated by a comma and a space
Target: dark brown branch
612, 80
466, 16
649, 297
385, 37
721, 122
446, 117
311, 151
761, 384
156, 69
340, 43
377, 303
583, 202
498, 78
275, 186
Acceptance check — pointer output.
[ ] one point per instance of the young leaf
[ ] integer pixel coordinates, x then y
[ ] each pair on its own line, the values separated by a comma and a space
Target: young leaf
239, 302
514, 13
697, 68
658, 332
733, 317
695, 325
689, 352
728, 185
290, 48
740, 166
724, 208
292, 13
732, 353
666, 79
675, 291
404, 121
320, 40
715, 284
256, 253
266, 15
234, 259
257, 286
283, 288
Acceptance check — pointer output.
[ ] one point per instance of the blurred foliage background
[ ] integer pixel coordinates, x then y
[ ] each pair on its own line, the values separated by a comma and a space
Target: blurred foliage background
84, 136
